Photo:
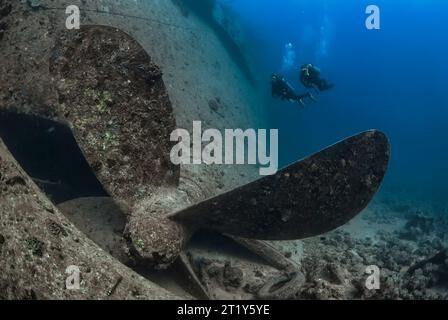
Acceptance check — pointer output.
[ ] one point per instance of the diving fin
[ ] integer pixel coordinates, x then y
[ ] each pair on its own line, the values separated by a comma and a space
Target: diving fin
312, 97
307, 198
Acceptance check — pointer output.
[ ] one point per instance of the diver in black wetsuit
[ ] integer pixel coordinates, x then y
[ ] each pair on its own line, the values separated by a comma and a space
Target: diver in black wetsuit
283, 90
310, 78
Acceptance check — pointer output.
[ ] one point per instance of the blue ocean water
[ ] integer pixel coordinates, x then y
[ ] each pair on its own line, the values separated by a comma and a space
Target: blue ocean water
393, 79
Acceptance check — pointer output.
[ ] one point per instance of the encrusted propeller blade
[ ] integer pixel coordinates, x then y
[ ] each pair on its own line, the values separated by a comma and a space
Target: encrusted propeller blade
308, 198
39, 246
114, 99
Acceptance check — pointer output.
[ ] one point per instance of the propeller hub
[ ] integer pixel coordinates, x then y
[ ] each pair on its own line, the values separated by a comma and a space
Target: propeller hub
153, 238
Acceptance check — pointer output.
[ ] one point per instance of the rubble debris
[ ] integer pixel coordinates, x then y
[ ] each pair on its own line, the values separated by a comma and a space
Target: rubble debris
418, 225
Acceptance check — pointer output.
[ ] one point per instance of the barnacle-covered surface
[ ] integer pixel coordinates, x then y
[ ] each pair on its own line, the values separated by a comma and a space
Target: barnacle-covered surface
114, 98
38, 244
311, 197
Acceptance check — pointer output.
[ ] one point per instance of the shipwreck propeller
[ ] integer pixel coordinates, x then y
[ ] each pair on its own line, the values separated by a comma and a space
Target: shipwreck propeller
121, 118
310, 197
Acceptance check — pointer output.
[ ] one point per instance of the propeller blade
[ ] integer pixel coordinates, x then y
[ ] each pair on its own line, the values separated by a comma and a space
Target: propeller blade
115, 100
308, 198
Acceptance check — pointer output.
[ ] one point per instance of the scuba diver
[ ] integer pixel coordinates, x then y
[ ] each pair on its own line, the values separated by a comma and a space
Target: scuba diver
310, 78
283, 90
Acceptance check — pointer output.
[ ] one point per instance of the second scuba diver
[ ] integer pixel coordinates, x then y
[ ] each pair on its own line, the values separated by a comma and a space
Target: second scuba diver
283, 90
310, 78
